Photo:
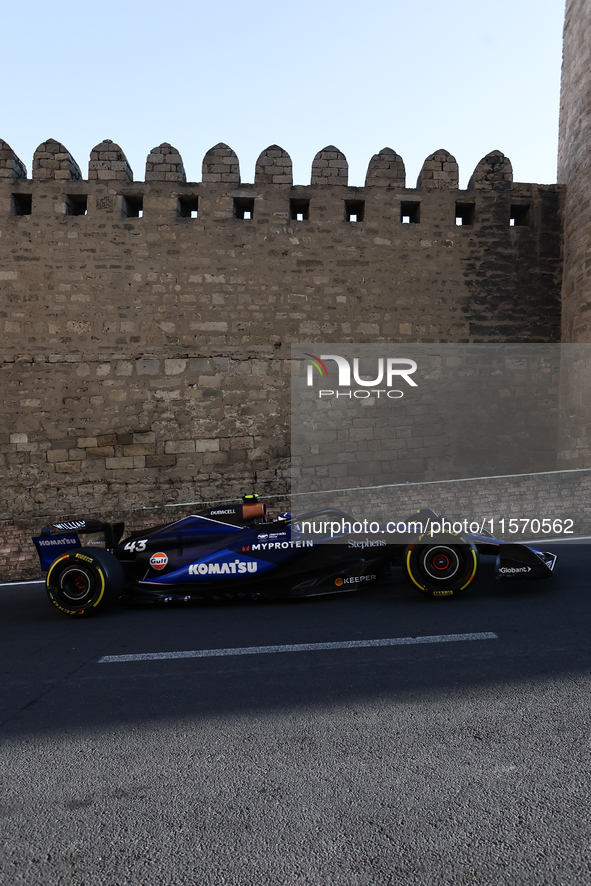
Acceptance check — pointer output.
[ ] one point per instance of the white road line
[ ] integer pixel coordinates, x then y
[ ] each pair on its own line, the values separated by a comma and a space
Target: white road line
297, 647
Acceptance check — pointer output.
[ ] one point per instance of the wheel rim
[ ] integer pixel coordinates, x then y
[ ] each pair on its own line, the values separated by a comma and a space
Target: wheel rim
441, 563
76, 585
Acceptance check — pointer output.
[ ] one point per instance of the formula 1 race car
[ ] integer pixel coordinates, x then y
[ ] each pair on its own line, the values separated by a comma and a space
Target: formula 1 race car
235, 550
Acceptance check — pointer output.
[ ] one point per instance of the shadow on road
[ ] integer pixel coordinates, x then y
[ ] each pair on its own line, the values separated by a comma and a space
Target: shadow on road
52, 678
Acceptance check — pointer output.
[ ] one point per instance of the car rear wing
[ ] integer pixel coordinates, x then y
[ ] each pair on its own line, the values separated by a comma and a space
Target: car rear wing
57, 538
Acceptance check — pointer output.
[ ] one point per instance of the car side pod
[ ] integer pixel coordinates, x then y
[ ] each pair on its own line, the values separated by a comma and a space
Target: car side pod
443, 569
519, 561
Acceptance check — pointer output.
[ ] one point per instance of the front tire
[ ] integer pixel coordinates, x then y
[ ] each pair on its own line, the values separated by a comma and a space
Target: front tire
441, 570
84, 581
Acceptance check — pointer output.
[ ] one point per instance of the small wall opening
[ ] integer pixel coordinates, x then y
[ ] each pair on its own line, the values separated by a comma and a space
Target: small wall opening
519, 215
354, 210
132, 207
465, 213
188, 207
410, 213
21, 204
299, 210
76, 204
244, 208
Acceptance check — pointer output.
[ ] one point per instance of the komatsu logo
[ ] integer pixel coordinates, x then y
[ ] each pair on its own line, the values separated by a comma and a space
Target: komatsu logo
51, 542
234, 567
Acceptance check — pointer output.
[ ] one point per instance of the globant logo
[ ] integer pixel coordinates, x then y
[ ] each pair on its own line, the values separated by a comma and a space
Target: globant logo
511, 570
390, 371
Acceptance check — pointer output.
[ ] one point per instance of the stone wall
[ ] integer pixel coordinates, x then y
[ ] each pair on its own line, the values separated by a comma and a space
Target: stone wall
145, 326
562, 498
574, 170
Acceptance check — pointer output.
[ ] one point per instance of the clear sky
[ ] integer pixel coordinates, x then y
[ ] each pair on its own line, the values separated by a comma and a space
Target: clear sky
463, 75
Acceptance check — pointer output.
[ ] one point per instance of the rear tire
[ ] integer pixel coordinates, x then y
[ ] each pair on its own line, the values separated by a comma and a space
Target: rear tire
441, 570
84, 581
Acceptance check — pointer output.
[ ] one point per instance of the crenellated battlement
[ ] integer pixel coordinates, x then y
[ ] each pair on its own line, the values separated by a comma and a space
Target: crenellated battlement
108, 163
293, 261
164, 195
232, 263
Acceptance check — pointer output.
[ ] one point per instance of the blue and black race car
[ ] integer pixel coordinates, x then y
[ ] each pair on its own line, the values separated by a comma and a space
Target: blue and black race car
236, 550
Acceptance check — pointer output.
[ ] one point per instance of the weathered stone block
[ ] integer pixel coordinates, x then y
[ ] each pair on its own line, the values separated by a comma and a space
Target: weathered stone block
179, 446
147, 366
144, 437
119, 463
67, 467
140, 449
174, 367
101, 452
207, 445
160, 461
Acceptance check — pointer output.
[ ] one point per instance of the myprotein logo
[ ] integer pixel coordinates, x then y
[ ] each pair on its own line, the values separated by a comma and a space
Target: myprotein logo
281, 545
389, 379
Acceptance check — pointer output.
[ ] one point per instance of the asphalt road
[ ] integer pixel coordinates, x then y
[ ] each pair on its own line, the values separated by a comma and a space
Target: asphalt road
461, 762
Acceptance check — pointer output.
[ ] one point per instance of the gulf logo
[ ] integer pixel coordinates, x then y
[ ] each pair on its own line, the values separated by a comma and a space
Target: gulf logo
158, 561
